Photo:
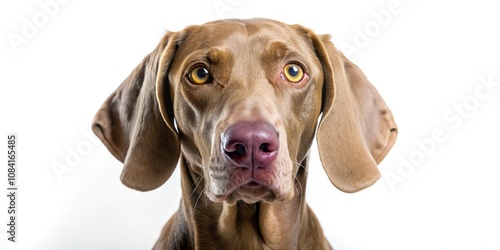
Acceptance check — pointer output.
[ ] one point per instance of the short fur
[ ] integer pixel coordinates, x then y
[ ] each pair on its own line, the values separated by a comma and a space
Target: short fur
156, 117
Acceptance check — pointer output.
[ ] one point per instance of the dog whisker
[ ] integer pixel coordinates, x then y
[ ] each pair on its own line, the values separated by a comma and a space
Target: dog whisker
199, 196
197, 184
300, 166
298, 190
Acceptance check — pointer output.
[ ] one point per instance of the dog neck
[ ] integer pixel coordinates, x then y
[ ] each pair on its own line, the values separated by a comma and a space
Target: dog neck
262, 225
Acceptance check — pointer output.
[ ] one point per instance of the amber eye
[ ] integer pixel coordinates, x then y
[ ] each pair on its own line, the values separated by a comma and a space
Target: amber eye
293, 72
199, 75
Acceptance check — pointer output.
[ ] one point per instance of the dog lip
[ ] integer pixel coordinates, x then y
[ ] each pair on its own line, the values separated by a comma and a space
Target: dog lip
250, 191
219, 197
253, 190
252, 187
252, 184
249, 185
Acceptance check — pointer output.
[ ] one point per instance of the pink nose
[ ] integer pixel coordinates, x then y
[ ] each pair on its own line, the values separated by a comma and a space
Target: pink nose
251, 144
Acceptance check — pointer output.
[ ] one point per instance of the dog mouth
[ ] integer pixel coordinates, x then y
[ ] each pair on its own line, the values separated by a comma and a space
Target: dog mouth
230, 184
252, 185
253, 189
251, 192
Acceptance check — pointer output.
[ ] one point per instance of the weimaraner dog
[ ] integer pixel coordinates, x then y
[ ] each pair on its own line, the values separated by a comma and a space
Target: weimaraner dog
238, 103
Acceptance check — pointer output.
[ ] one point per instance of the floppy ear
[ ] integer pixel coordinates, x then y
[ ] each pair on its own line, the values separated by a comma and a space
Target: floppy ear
357, 129
131, 126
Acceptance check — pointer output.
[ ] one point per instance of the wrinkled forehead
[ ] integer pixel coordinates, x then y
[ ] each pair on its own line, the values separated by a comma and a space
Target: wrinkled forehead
252, 37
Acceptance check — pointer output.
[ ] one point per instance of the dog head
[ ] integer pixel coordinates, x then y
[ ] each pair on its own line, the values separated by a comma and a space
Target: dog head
241, 99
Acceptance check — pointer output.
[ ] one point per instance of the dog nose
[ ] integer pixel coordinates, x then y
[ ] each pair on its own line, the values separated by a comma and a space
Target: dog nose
250, 144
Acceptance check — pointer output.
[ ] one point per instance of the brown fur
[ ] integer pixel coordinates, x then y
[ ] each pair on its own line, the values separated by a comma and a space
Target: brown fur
245, 58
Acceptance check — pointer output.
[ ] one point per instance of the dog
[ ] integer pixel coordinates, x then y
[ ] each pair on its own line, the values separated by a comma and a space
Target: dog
237, 103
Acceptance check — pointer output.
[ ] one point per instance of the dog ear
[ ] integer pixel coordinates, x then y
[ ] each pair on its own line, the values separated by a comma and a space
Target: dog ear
357, 129
131, 126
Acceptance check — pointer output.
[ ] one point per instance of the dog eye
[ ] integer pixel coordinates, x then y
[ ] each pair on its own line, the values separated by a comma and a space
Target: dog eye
199, 75
293, 72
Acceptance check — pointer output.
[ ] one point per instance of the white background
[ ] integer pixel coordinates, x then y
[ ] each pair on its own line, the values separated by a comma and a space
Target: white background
429, 60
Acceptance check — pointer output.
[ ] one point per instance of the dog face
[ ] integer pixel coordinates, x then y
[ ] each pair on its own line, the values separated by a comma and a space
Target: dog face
246, 97
241, 99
